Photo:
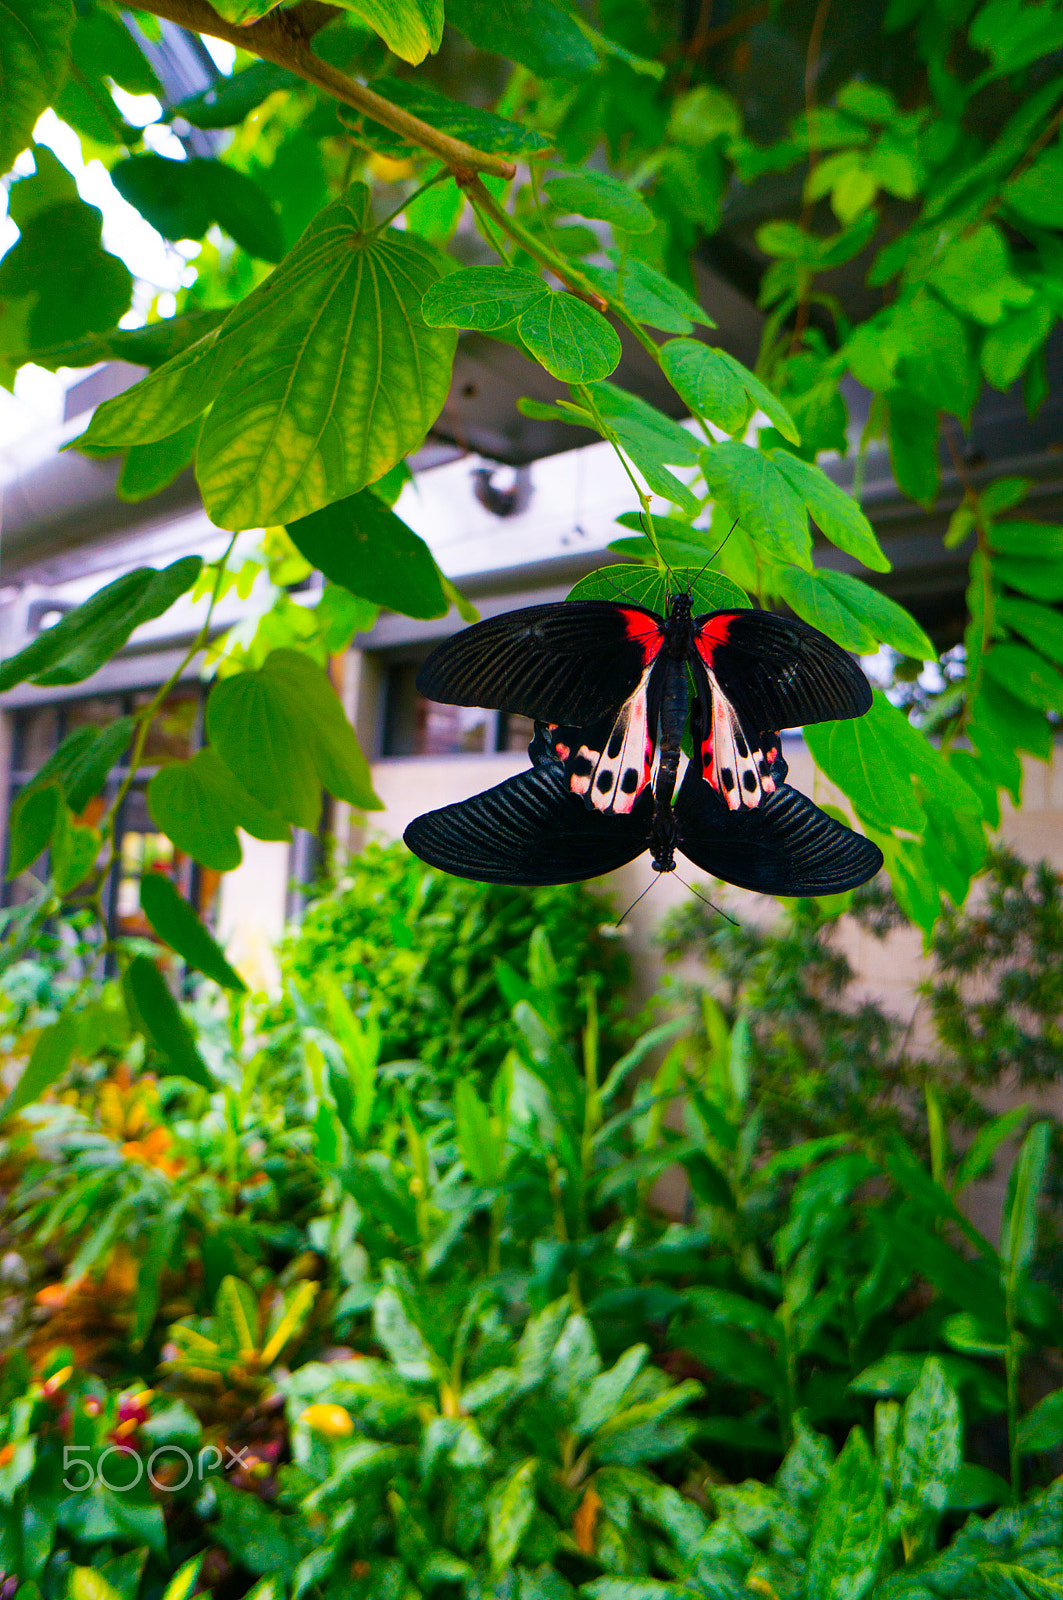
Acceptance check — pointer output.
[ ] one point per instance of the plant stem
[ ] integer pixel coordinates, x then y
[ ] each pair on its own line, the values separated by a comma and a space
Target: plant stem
283, 37
609, 435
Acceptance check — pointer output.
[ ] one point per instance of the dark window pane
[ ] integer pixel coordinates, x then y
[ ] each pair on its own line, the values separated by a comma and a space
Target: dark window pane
414, 726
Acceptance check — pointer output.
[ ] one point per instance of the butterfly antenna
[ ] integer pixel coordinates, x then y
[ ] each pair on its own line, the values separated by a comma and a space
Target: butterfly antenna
634, 903
715, 553
704, 900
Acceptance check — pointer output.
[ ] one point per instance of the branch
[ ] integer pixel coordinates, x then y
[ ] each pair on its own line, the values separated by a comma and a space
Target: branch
283, 37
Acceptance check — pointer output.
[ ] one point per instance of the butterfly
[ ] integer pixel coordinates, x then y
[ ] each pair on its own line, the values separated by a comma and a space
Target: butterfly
608, 686
531, 830
621, 673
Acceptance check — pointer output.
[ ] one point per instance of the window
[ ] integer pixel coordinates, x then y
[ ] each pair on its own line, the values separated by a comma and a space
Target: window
414, 726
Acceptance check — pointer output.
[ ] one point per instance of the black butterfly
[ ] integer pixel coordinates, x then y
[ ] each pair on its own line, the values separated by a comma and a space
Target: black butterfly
587, 805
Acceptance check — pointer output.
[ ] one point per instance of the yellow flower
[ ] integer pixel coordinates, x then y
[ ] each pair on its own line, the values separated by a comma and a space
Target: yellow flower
331, 1421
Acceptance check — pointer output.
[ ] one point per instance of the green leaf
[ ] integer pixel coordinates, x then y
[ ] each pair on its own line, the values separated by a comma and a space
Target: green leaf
538, 33
974, 274
177, 925
153, 1010
282, 732
757, 493
509, 1517
34, 42
49, 1059
706, 383
1007, 347
1043, 580
888, 622
342, 615
149, 468
228, 101
486, 298
32, 821
930, 1450
1037, 193
1025, 674
865, 758
362, 545
648, 295
913, 441
569, 338
149, 346
74, 850
236, 1309
411, 29
481, 128
1018, 1236
80, 288
84, 639
711, 591
1039, 625
605, 1395
199, 805
337, 377
1042, 1428
835, 513
934, 358
595, 194
849, 1533
1042, 540
480, 1149
816, 603
83, 760
635, 419
394, 1329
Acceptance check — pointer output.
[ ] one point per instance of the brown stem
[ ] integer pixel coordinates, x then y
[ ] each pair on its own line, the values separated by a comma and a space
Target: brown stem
283, 37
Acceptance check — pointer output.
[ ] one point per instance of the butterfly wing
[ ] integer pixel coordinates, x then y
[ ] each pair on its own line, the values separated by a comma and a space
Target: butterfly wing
530, 830
777, 672
568, 663
786, 845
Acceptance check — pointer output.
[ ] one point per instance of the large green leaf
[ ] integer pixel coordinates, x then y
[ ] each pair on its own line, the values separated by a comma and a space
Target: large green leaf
149, 346
80, 288
933, 355
34, 42
282, 732
366, 548
711, 591
175, 394
486, 298
153, 1010
31, 824
199, 805
49, 1059
1018, 1238
706, 383
913, 442
182, 198
82, 640
337, 376
853, 614
1042, 541
760, 496
177, 924
648, 295
849, 1533
409, 28
836, 513
509, 1517
83, 760
866, 762
483, 129
540, 34
930, 1451
569, 338
1038, 625
1025, 674
150, 468
596, 194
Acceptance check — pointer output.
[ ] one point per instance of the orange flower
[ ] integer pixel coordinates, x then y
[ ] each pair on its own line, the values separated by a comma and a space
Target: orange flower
54, 1295
585, 1521
6, 1454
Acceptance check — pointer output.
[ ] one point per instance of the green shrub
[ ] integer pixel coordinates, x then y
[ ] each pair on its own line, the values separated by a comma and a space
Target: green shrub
418, 949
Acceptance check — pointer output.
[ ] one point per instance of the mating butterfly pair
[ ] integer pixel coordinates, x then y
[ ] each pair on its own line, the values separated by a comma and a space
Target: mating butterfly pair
609, 687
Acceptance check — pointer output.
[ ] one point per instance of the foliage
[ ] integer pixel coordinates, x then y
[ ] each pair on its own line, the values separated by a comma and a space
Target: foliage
825, 1057
314, 320
418, 951
453, 1340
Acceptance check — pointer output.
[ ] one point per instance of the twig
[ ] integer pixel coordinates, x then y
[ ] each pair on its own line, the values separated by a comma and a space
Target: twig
815, 46
283, 37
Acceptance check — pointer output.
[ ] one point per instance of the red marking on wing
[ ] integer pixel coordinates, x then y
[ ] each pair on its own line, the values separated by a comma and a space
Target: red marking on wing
712, 634
645, 630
